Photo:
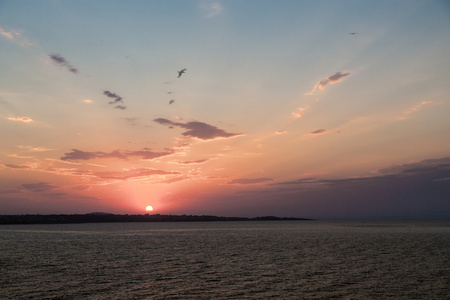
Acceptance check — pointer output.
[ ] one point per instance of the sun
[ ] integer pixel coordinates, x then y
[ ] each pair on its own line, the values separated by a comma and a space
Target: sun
149, 208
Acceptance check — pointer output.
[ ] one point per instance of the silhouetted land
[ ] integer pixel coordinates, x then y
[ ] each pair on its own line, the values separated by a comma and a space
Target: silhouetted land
113, 218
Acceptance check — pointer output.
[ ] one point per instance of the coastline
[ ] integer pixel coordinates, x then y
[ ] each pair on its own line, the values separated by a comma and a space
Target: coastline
115, 218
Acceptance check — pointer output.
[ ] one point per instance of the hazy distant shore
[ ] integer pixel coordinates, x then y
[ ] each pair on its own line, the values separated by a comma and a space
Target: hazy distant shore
113, 218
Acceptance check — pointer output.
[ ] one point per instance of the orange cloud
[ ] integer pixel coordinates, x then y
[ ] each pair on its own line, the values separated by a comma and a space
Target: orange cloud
414, 109
300, 112
20, 119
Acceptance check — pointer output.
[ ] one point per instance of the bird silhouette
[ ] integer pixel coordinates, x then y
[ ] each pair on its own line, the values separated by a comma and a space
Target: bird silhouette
352, 33
181, 72
171, 101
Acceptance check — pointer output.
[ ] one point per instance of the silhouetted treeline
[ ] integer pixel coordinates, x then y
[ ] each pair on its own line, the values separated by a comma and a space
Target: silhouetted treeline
112, 218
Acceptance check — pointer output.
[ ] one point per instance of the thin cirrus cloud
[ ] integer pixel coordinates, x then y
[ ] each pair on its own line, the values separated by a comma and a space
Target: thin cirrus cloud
61, 61
250, 180
16, 35
34, 149
198, 130
83, 155
413, 109
134, 173
212, 9
38, 187
20, 119
338, 76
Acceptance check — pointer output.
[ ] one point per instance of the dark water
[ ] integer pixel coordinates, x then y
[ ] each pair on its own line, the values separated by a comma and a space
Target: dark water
227, 260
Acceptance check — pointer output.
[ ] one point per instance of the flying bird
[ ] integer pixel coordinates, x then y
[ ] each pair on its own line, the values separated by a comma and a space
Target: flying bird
171, 101
181, 72
352, 33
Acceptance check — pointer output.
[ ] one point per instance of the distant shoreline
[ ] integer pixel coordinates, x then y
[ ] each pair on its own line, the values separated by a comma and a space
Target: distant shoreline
114, 218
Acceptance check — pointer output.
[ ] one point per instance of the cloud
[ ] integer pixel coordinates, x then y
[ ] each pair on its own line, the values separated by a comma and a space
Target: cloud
421, 166
419, 189
38, 187
132, 121
198, 130
250, 180
61, 61
143, 154
116, 98
20, 119
300, 112
279, 132
414, 109
13, 166
34, 149
88, 101
212, 9
9, 35
200, 161
16, 35
318, 131
134, 173
338, 76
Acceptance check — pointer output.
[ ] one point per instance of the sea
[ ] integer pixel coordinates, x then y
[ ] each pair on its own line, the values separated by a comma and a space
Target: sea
352, 259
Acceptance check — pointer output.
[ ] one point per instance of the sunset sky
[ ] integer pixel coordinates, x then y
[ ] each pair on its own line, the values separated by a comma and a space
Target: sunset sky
321, 109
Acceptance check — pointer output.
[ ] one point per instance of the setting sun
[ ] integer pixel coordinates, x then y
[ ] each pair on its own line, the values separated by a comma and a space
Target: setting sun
149, 208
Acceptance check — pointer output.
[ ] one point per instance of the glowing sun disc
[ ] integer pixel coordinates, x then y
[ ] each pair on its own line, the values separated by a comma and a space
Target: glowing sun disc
149, 208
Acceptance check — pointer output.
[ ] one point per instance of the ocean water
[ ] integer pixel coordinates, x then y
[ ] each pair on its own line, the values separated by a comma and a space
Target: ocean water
227, 260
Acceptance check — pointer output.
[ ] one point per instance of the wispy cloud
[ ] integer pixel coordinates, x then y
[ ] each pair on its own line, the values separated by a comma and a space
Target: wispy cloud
338, 76
318, 131
61, 61
143, 154
413, 109
34, 149
200, 161
250, 180
116, 98
20, 119
300, 112
198, 130
17, 36
13, 166
38, 187
212, 9
133, 173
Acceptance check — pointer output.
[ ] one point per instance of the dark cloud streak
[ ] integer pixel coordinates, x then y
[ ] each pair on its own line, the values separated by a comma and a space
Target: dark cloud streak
198, 130
143, 154
61, 61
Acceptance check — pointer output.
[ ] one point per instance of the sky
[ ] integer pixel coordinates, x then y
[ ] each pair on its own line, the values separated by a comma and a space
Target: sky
316, 109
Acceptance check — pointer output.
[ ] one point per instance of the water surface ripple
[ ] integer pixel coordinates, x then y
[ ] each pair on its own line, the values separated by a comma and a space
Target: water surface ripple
227, 260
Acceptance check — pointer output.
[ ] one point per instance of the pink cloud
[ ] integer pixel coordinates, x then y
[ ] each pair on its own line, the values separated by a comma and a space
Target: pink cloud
338, 76
414, 109
20, 119
300, 112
